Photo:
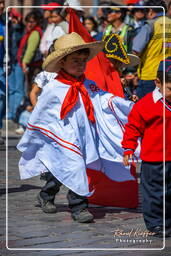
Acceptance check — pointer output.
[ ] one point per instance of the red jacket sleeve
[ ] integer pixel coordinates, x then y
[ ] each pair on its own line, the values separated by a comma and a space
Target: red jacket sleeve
133, 129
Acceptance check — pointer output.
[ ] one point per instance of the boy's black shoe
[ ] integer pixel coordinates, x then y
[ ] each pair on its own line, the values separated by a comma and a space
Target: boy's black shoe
82, 216
158, 232
47, 206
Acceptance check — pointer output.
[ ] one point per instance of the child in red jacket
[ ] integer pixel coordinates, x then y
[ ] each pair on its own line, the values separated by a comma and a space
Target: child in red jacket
148, 122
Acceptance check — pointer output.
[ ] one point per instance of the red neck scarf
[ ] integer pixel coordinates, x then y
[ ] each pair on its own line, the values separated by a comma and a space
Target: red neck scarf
23, 42
71, 97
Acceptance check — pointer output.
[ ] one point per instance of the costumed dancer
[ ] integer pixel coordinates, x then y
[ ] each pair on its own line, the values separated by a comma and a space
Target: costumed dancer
73, 126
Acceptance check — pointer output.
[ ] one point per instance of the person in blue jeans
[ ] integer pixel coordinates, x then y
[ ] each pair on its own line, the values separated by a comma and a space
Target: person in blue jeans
16, 76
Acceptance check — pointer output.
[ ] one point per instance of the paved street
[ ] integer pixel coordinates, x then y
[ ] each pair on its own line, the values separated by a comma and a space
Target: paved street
29, 229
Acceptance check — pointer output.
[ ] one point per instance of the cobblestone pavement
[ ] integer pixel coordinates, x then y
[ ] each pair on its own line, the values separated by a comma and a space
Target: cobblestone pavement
31, 232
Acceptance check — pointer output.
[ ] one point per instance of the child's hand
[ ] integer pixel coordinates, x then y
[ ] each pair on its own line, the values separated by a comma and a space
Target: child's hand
29, 108
126, 159
135, 98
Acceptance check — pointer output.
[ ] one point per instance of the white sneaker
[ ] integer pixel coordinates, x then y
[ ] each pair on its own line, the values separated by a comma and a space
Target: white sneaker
20, 130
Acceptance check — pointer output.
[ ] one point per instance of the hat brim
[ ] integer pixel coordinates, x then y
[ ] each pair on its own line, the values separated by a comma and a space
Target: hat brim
51, 63
134, 61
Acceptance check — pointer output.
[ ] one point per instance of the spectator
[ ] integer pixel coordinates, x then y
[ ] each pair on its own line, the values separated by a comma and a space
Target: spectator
61, 26
16, 79
2, 14
47, 36
91, 25
148, 44
29, 56
47, 13
138, 19
23, 113
115, 17
102, 16
130, 82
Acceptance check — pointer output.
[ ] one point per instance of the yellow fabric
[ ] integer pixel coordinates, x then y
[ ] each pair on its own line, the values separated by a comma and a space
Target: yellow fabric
154, 52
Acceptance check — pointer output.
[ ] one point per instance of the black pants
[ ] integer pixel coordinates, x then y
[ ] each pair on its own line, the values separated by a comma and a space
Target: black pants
52, 187
152, 194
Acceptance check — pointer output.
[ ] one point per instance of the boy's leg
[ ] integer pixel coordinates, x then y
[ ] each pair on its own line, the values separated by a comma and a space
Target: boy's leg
152, 195
78, 205
47, 194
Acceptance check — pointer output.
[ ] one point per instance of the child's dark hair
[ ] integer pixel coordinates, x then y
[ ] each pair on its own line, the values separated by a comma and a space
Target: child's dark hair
91, 18
36, 15
155, 3
160, 76
85, 51
57, 11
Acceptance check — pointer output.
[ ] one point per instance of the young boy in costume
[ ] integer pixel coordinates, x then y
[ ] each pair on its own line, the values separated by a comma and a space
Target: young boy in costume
73, 126
146, 121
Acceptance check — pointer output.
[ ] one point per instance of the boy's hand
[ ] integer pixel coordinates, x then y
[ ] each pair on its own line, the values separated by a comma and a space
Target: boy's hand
126, 159
135, 98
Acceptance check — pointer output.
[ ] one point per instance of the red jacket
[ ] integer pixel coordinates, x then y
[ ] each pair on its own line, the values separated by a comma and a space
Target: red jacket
146, 121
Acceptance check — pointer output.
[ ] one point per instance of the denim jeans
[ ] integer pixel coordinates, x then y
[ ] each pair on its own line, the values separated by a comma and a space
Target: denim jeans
24, 117
2, 96
144, 87
16, 89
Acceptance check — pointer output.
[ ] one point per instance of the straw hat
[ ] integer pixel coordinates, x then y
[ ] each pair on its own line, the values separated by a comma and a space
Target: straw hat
66, 45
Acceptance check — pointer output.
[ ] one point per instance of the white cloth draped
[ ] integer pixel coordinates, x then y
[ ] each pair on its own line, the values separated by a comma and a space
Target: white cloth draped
67, 147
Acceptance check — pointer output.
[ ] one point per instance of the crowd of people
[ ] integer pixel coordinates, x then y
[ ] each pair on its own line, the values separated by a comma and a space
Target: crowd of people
30, 38
37, 39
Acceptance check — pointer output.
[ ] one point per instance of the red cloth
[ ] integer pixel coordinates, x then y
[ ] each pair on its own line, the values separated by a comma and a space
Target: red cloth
146, 121
23, 42
107, 192
98, 69
112, 193
71, 97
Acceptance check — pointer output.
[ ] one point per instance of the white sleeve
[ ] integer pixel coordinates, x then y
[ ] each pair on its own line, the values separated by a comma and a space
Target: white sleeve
40, 80
120, 107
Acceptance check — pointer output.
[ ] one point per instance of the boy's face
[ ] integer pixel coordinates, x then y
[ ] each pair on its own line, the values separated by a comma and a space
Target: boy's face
75, 64
167, 91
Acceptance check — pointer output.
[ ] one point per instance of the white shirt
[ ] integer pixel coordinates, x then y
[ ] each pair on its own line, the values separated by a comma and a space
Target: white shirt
46, 40
157, 95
